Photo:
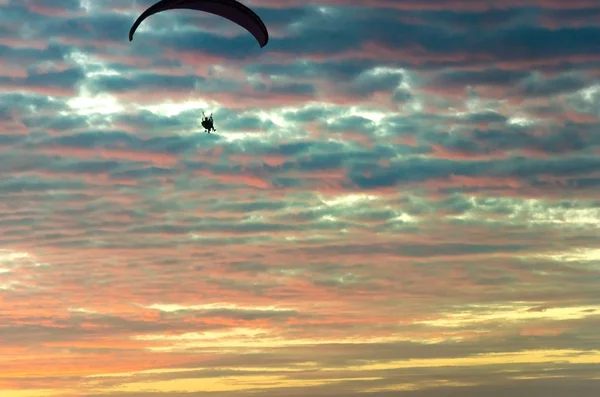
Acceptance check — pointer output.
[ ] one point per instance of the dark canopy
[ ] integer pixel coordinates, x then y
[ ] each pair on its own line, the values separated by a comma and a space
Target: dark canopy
229, 9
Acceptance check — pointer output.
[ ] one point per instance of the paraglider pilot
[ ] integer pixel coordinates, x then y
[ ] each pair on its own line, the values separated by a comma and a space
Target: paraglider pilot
207, 123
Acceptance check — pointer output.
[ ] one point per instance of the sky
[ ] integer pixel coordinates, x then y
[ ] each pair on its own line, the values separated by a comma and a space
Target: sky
401, 200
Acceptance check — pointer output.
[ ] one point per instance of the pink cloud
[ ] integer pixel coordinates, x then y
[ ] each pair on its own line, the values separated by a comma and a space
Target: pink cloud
158, 159
272, 160
40, 90
455, 5
44, 9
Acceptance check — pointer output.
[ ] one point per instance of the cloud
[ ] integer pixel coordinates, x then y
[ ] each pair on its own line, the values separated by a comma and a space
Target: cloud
401, 198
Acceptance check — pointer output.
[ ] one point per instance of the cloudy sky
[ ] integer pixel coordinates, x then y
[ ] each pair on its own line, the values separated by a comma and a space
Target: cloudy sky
402, 199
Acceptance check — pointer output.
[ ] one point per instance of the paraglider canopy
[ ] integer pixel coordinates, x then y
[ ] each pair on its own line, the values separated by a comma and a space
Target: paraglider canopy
229, 9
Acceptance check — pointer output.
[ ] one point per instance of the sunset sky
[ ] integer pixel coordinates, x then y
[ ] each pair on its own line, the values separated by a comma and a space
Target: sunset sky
402, 200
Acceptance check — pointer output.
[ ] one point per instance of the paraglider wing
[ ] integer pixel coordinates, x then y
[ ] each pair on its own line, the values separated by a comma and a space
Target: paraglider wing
230, 9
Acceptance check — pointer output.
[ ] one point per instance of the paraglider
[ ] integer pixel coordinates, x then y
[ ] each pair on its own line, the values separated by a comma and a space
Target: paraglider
229, 9
208, 123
